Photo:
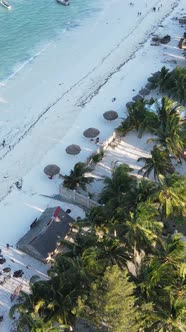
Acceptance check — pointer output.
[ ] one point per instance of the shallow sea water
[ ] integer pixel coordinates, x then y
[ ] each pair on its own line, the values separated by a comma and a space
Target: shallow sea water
29, 27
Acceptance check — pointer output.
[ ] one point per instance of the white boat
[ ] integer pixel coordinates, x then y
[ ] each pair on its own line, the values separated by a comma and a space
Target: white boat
64, 2
5, 4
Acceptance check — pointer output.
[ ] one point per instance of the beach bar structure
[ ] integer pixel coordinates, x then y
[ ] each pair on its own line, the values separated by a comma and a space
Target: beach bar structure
44, 235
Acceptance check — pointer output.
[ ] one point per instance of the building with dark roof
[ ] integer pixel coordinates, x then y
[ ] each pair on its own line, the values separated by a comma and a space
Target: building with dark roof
44, 234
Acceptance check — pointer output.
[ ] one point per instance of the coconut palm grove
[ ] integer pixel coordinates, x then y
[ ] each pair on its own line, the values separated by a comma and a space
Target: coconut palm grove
124, 267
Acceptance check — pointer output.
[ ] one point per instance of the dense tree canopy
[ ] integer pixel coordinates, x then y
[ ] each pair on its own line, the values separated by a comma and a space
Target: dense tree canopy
123, 269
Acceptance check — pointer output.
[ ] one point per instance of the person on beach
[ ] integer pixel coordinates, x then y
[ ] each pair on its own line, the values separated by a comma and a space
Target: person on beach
97, 140
3, 144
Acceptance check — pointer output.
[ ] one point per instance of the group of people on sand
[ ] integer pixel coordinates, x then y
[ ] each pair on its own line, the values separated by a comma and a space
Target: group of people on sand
5, 272
154, 8
96, 140
3, 144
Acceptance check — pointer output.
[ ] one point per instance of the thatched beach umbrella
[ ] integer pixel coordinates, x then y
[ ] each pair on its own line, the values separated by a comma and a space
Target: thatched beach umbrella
156, 74
150, 79
51, 170
110, 115
91, 132
137, 98
144, 92
73, 149
129, 104
149, 85
154, 77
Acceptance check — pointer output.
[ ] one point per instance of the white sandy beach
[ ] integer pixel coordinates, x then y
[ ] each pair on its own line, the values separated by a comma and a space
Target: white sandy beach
113, 66
49, 104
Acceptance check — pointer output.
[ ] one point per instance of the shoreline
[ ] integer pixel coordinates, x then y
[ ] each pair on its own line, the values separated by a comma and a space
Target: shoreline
47, 140
20, 46
81, 106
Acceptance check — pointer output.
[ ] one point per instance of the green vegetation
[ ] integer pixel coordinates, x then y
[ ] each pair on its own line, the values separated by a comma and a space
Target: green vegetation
173, 83
170, 128
120, 270
139, 118
98, 157
159, 163
124, 269
77, 177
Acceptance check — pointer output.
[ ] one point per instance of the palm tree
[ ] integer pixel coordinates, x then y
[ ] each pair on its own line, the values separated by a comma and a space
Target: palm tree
177, 86
161, 281
31, 314
139, 118
117, 186
77, 177
24, 308
149, 123
168, 317
142, 229
161, 79
179, 90
84, 237
166, 108
69, 279
50, 305
159, 164
169, 129
171, 196
145, 188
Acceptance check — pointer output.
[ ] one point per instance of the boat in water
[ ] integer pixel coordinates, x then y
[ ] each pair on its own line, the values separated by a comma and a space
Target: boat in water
64, 2
5, 4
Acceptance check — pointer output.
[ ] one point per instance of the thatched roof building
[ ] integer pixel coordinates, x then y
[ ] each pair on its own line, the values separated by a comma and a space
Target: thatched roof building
44, 234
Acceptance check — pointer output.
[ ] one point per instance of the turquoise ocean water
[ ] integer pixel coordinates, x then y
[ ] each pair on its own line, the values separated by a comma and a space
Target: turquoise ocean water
29, 26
